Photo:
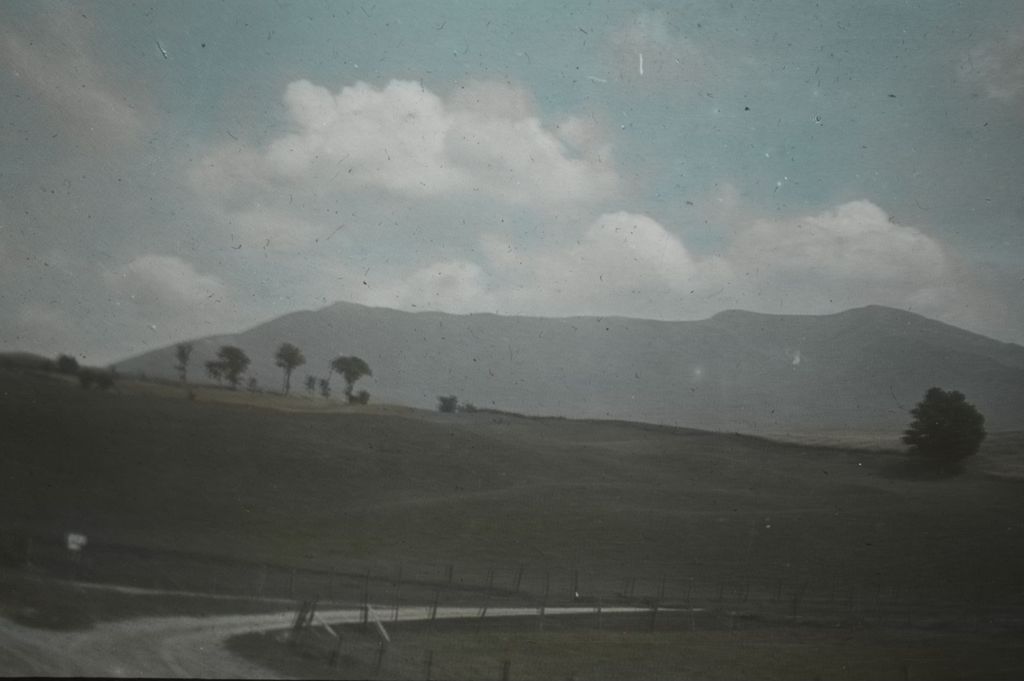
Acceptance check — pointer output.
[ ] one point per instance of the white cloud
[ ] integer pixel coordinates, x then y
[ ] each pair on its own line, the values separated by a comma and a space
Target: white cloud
849, 256
629, 264
58, 64
856, 241
485, 139
997, 66
455, 286
623, 264
159, 284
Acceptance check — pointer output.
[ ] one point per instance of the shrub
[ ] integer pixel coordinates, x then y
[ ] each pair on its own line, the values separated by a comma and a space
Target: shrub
946, 428
66, 364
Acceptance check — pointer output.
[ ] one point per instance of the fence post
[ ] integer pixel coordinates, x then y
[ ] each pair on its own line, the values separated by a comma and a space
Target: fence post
519, 578
335, 658
397, 593
487, 603
381, 648
689, 604
433, 608
365, 617
544, 603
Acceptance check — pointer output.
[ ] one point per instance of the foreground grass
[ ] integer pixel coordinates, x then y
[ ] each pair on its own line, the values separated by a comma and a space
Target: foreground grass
488, 492
573, 650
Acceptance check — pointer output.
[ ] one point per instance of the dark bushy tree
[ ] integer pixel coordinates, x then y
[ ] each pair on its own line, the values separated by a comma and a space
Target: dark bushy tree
288, 357
311, 384
214, 370
230, 364
352, 369
66, 364
447, 404
946, 428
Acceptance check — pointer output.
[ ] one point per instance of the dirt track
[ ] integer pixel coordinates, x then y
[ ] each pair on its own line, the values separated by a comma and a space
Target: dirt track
171, 646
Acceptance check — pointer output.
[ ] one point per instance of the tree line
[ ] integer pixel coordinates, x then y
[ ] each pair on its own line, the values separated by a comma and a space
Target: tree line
231, 364
945, 431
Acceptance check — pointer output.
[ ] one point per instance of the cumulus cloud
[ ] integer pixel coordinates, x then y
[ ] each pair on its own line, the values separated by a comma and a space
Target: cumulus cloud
485, 139
630, 264
622, 264
997, 66
456, 286
857, 240
852, 255
161, 284
58, 64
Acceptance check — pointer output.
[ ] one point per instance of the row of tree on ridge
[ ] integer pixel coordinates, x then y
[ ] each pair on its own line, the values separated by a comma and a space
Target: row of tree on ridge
232, 362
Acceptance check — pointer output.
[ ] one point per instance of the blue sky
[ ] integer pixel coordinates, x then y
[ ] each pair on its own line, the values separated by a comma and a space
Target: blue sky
171, 170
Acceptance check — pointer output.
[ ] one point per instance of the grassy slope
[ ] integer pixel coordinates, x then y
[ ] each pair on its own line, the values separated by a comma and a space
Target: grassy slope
624, 648
484, 489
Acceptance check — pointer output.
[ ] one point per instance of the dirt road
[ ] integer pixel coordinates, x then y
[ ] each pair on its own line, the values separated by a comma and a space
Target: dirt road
175, 646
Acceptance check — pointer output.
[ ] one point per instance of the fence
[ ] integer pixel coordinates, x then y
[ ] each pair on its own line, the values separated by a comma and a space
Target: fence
721, 599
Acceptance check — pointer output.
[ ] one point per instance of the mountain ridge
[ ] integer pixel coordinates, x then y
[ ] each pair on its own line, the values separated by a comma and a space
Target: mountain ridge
737, 370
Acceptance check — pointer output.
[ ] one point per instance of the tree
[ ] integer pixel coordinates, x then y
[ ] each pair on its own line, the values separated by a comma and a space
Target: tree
288, 357
182, 352
230, 364
311, 384
447, 404
352, 369
214, 370
66, 364
946, 428
325, 387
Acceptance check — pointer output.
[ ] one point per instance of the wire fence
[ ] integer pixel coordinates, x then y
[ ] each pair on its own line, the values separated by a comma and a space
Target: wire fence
716, 599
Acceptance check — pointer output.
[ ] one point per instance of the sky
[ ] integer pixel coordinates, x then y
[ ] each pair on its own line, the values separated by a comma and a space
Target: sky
172, 170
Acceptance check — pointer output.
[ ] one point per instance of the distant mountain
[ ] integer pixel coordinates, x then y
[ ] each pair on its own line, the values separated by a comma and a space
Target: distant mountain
737, 371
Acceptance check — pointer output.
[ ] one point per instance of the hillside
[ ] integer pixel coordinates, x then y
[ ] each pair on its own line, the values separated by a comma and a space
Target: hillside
737, 371
485, 490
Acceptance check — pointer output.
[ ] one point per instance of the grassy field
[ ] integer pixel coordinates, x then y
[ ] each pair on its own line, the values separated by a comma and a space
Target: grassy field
572, 648
605, 509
